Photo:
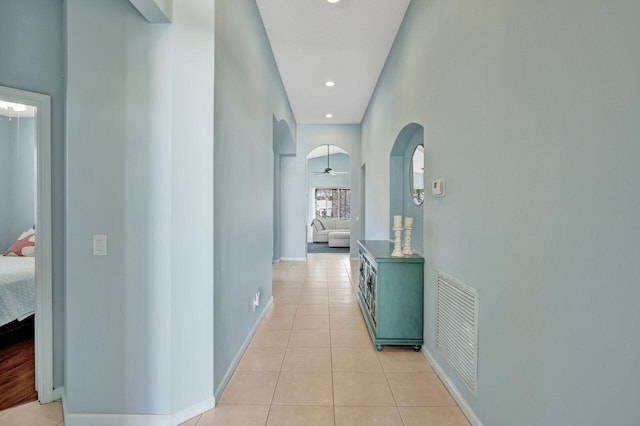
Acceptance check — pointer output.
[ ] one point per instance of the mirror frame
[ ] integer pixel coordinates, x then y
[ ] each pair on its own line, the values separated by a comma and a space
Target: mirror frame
417, 195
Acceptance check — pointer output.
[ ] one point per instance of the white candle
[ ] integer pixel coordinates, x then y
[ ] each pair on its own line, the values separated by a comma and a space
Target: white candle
408, 222
397, 221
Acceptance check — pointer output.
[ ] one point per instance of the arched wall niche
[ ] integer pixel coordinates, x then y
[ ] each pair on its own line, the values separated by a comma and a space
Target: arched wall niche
283, 142
400, 199
283, 145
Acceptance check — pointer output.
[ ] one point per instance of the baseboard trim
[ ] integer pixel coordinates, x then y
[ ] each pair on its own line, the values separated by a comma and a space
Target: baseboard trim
77, 419
236, 360
192, 411
73, 419
294, 259
64, 403
453, 389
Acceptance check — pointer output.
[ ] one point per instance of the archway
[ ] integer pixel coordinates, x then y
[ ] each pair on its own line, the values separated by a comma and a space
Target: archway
282, 145
328, 199
401, 200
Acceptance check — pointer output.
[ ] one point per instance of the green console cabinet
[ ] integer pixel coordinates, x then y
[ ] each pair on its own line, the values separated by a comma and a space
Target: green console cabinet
390, 294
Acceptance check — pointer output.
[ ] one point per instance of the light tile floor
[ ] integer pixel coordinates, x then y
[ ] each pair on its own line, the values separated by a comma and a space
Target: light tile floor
33, 414
312, 362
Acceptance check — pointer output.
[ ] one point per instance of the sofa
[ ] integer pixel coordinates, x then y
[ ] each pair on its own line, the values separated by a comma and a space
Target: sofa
333, 231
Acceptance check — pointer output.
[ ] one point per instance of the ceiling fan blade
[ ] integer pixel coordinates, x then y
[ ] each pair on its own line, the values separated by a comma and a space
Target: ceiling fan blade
340, 173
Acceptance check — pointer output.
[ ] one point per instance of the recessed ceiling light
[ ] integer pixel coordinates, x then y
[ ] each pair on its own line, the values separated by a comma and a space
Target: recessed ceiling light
329, 115
332, 1
330, 83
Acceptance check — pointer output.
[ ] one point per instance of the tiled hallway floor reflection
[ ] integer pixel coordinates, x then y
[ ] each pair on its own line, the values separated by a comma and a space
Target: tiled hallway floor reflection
312, 362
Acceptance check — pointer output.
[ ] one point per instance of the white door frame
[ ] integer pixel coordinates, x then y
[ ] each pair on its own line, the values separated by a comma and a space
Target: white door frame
44, 298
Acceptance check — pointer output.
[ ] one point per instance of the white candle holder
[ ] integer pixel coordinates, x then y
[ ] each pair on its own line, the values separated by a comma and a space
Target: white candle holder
406, 250
397, 247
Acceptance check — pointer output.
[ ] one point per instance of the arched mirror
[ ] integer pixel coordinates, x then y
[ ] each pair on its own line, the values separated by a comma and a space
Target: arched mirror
416, 180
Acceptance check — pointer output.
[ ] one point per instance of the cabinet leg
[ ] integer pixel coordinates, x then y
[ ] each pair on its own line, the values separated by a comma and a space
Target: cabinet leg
417, 348
379, 348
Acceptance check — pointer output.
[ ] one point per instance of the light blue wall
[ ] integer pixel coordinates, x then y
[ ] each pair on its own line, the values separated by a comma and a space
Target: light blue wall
17, 189
248, 95
139, 322
34, 62
294, 186
22, 137
530, 113
6, 234
192, 62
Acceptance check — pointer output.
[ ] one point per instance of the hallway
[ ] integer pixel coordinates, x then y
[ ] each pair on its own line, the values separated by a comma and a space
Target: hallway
311, 362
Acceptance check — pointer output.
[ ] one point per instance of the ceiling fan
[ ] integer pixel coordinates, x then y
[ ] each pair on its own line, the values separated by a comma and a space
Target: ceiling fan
328, 170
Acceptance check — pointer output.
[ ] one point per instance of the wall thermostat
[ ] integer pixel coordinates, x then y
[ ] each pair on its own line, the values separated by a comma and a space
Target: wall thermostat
437, 188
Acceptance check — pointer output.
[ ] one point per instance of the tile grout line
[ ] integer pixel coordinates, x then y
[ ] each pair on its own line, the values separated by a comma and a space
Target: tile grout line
275, 388
326, 281
333, 387
386, 378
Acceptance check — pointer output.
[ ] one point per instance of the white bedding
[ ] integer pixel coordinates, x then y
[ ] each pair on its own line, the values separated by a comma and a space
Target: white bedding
17, 288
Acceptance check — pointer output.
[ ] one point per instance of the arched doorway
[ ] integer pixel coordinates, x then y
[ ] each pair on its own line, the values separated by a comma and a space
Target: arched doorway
328, 199
282, 146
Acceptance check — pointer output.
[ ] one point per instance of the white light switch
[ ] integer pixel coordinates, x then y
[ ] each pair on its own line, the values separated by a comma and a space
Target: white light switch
437, 187
99, 245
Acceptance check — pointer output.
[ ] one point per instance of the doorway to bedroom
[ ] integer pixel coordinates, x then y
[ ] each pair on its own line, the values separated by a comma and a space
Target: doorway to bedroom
25, 266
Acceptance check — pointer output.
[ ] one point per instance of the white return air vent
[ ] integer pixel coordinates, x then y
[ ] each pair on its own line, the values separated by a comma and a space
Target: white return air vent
457, 328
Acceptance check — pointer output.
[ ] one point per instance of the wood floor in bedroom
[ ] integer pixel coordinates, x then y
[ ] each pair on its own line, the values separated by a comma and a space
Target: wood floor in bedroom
17, 366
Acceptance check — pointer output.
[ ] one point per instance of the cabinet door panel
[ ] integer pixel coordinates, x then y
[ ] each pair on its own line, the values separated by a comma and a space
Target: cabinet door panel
400, 302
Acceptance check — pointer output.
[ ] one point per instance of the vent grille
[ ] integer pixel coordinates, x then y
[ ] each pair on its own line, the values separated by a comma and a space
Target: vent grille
457, 328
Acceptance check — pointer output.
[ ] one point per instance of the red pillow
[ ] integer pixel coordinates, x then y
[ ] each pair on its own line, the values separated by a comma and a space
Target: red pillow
24, 246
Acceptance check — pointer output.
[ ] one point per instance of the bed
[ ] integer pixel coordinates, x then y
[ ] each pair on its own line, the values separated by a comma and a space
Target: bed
17, 288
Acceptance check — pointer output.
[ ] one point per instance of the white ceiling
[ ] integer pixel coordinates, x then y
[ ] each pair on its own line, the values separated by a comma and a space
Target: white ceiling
348, 42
